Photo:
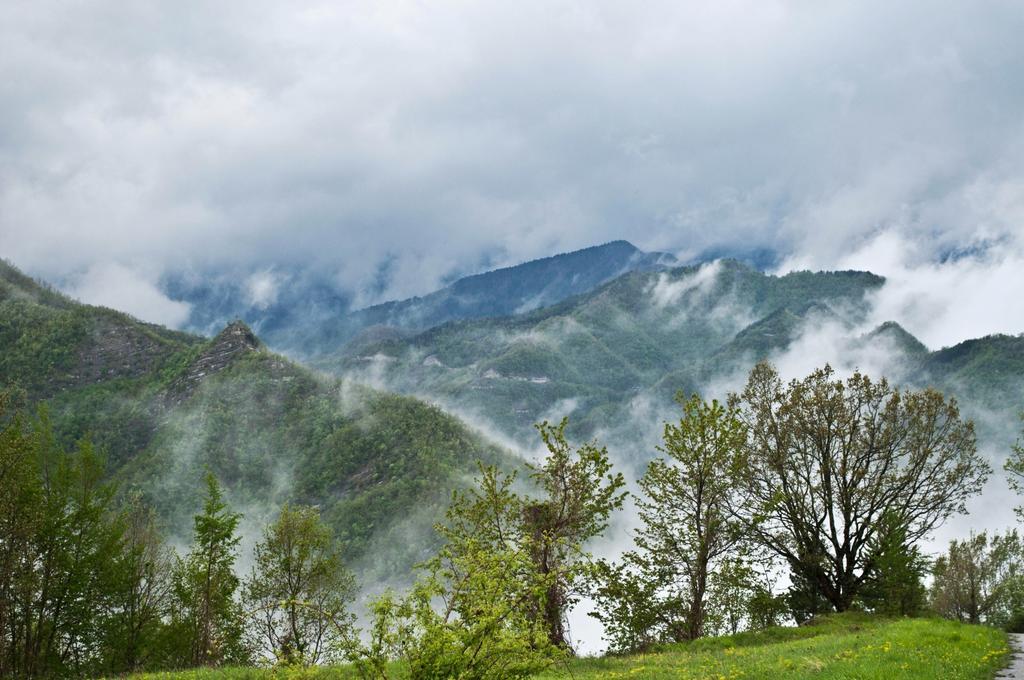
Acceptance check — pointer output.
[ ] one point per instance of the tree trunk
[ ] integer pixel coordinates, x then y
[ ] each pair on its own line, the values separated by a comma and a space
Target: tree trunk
553, 606
552, 610
698, 589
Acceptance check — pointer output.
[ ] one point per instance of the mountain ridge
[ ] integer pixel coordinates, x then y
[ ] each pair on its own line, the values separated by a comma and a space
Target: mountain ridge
598, 348
308, 325
647, 335
612, 356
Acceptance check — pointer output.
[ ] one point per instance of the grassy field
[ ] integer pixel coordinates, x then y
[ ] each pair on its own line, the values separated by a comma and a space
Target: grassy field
844, 647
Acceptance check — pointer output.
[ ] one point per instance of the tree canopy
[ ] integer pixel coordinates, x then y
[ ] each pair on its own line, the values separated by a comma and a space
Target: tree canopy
829, 458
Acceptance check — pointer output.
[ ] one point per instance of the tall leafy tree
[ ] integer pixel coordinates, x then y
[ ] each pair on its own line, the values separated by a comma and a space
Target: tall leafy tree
64, 538
207, 616
828, 459
688, 544
578, 494
20, 519
298, 591
687, 528
485, 581
140, 600
509, 568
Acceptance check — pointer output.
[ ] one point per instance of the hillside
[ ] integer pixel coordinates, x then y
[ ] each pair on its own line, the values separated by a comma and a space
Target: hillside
166, 406
836, 647
988, 370
308, 318
667, 330
52, 343
626, 348
841, 646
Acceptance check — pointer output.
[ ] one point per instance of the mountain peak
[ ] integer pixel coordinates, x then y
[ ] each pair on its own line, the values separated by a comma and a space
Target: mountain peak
236, 340
619, 243
897, 334
509, 290
611, 258
237, 334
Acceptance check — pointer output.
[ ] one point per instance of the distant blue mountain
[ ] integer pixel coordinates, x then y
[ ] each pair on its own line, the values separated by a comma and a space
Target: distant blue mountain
309, 318
762, 259
514, 290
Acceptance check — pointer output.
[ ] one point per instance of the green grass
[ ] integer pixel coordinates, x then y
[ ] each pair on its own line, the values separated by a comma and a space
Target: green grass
842, 647
847, 647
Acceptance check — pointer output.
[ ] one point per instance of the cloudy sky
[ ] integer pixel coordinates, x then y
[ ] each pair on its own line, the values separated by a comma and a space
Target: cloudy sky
388, 146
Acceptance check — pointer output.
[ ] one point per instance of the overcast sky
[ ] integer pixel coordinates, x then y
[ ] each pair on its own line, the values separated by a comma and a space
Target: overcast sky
400, 143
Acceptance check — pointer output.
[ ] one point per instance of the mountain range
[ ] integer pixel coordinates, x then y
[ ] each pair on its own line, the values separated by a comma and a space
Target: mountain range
646, 335
372, 425
306, 316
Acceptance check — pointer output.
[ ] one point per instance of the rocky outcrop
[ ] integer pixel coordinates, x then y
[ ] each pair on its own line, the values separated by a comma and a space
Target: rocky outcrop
115, 349
234, 341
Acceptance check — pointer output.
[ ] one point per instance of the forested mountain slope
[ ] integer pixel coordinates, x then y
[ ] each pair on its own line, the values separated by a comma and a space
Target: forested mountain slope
51, 343
513, 290
641, 330
166, 406
641, 338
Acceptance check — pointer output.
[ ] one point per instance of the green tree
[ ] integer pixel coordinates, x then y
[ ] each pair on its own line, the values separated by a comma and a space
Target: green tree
56, 549
21, 499
206, 615
634, 614
689, 546
977, 579
485, 581
141, 598
804, 599
687, 528
765, 608
298, 591
578, 494
828, 459
731, 585
897, 586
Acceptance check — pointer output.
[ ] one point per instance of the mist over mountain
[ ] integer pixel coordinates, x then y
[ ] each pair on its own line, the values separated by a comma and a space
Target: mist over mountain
166, 406
341, 267
607, 335
613, 359
606, 346
297, 312
406, 398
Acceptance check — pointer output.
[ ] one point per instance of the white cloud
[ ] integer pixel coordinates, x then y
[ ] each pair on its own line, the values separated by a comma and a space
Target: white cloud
943, 303
262, 288
391, 144
667, 292
128, 290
